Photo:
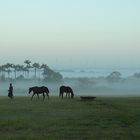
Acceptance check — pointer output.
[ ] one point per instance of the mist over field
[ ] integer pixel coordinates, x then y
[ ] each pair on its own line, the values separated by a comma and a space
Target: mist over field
112, 84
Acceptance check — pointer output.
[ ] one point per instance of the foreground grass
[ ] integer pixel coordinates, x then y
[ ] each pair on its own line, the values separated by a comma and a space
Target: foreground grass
57, 119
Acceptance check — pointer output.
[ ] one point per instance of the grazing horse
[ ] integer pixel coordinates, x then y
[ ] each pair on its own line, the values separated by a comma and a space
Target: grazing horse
39, 90
67, 90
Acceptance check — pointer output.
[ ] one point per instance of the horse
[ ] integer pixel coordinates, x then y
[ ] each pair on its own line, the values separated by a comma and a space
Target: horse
66, 89
39, 90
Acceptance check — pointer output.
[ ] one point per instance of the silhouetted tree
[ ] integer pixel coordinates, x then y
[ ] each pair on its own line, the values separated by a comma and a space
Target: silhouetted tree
50, 75
23, 70
36, 66
28, 66
43, 66
2, 70
7, 68
17, 68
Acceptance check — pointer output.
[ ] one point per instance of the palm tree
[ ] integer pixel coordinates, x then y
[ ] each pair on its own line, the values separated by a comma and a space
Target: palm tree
36, 66
1, 70
50, 75
7, 68
28, 66
2, 75
43, 66
17, 68
23, 70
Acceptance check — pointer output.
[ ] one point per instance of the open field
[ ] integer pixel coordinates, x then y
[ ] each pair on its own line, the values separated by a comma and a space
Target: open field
105, 118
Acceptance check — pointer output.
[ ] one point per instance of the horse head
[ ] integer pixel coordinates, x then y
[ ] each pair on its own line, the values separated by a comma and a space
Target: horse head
30, 90
48, 90
72, 95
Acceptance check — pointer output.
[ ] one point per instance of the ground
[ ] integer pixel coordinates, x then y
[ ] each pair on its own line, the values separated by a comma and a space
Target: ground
106, 118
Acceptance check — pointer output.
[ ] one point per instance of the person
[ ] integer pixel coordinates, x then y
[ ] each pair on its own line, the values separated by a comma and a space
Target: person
10, 91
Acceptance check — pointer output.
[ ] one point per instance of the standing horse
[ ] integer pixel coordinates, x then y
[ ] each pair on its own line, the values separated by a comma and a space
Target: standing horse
66, 89
39, 90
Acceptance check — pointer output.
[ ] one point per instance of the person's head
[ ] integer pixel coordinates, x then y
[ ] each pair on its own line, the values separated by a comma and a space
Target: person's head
10, 84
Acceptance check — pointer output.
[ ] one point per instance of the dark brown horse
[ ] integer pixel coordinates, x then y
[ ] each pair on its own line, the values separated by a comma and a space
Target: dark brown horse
66, 89
39, 90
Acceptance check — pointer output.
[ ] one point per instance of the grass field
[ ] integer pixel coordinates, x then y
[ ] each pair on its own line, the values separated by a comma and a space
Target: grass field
105, 118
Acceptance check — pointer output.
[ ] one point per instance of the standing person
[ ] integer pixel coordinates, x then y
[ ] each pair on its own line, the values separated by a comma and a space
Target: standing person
10, 91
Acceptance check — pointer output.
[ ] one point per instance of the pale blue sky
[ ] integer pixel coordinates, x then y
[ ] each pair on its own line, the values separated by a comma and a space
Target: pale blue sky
83, 33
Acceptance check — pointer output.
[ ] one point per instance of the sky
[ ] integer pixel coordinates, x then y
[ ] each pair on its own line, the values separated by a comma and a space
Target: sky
71, 33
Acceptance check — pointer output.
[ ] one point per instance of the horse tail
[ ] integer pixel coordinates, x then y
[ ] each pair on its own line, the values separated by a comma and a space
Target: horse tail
61, 92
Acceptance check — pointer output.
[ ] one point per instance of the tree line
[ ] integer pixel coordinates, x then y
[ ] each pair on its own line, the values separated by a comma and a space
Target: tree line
22, 71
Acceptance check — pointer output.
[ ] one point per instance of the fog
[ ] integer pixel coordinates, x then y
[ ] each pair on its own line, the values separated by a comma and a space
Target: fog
99, 86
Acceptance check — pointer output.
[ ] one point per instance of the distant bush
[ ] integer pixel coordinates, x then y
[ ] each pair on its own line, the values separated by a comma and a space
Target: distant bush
2, 77
114, 76
85, 82
136, 75
20, 77
52, 76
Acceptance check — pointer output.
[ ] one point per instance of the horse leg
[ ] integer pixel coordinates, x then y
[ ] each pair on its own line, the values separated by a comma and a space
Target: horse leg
38, 96
69, 95
32, 97
43, 96
48, 96
60, 94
